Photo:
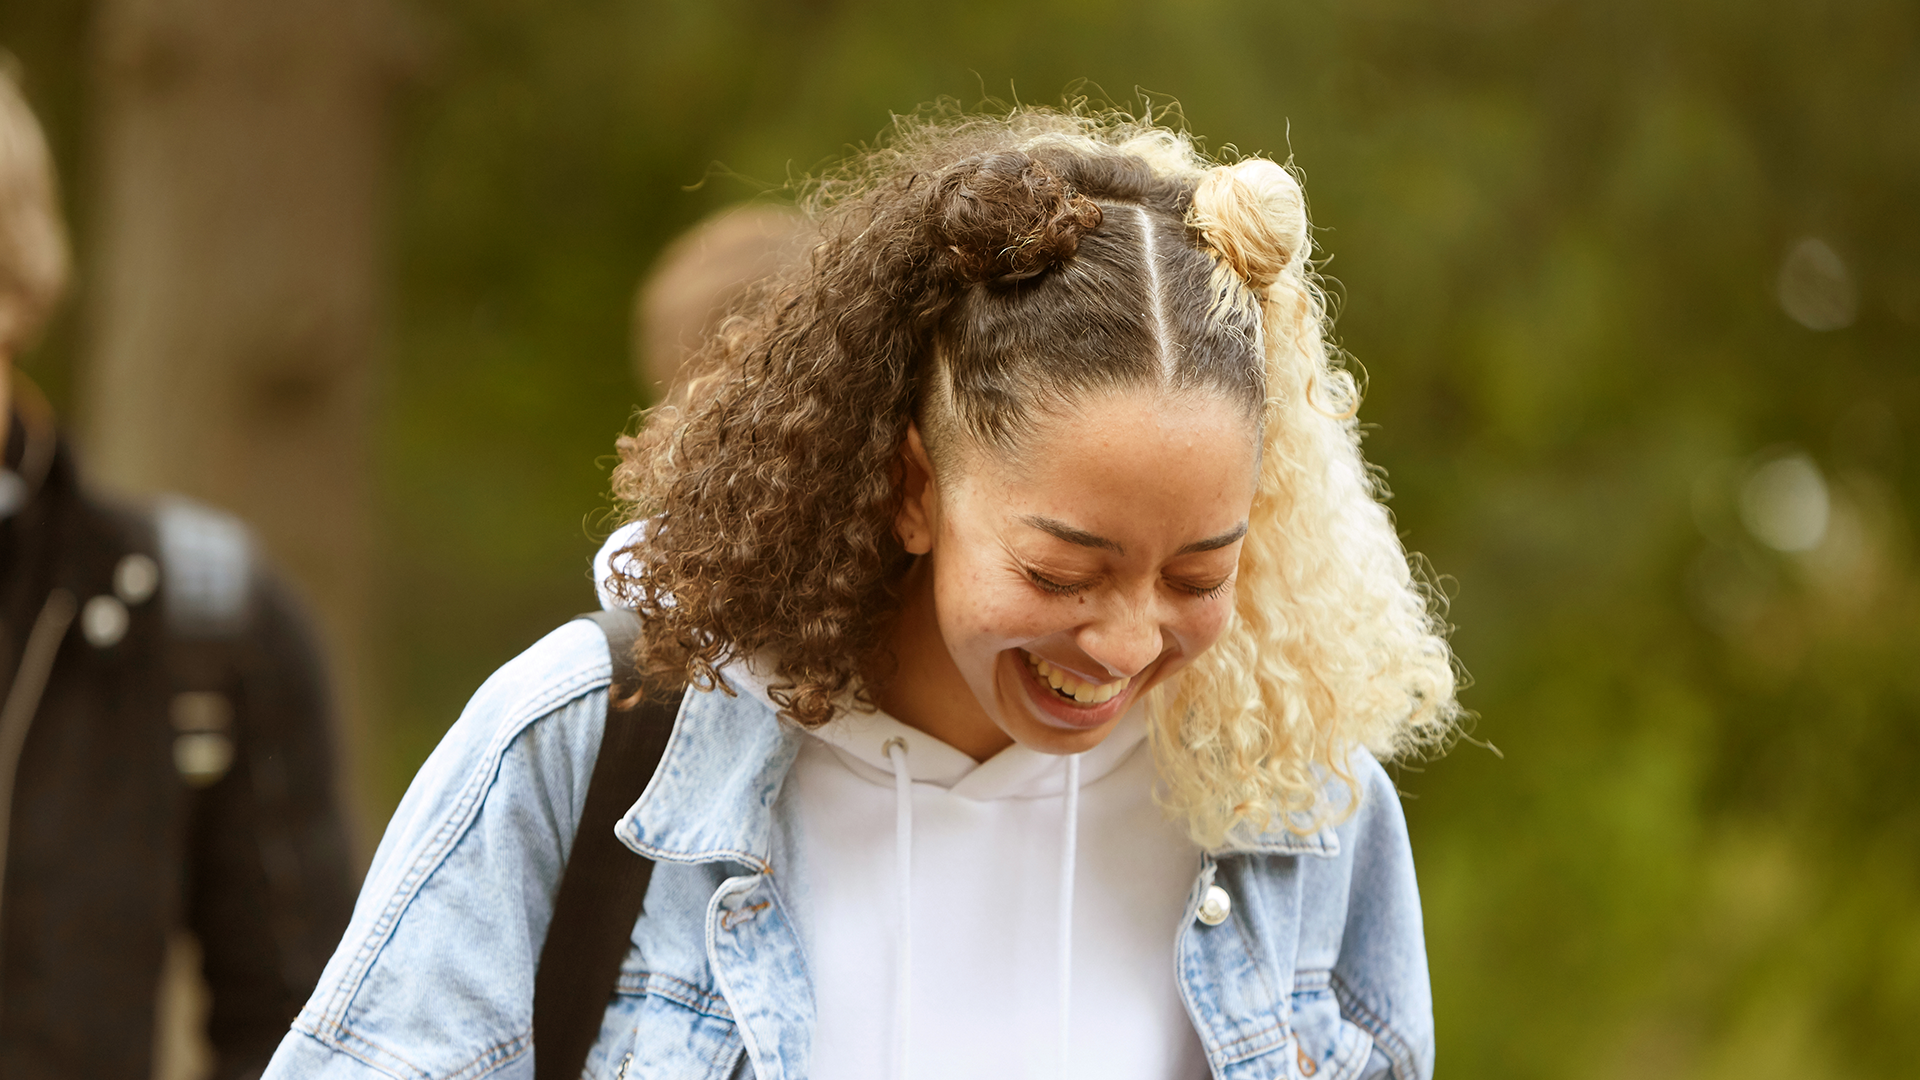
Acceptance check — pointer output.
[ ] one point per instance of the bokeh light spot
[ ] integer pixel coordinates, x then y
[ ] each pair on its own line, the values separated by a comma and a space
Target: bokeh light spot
1784, 503
1815, 288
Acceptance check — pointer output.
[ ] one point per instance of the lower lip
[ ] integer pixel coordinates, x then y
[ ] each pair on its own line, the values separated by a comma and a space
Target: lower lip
1058, 712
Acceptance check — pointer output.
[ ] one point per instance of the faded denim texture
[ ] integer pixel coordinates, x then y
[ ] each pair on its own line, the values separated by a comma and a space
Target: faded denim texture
1320, 971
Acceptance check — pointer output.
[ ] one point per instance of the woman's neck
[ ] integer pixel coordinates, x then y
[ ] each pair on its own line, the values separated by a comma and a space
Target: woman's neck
926, 690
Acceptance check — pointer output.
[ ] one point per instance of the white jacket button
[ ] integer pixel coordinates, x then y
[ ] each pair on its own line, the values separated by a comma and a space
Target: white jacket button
1216, 907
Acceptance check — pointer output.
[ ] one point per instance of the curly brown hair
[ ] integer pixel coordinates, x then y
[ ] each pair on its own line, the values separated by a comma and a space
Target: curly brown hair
972, 273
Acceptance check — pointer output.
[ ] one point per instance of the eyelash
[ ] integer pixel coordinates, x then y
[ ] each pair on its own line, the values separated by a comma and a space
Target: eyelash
1211, 592
1054, 587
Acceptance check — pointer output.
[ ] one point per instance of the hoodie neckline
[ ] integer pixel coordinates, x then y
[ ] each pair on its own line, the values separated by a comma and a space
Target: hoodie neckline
859, 741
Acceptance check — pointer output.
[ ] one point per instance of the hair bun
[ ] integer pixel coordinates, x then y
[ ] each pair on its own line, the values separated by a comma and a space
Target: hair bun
1006, 217
1254, 216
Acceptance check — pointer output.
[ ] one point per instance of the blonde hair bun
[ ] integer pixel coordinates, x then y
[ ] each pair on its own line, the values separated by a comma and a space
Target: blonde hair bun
1254, 216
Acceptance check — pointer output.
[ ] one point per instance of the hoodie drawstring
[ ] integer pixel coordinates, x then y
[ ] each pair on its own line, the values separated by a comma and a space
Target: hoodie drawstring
903, 866
1069, 851
896, 751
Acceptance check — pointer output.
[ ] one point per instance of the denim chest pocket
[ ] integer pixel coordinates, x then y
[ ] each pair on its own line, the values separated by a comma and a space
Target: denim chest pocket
660, 1027
1327, 1046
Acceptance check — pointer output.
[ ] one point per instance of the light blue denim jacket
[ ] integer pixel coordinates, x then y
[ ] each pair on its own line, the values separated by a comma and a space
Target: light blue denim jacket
1319, 972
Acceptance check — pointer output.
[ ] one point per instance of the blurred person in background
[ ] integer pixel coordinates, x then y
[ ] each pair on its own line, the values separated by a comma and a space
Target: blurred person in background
705, 275
166, 743
700, 279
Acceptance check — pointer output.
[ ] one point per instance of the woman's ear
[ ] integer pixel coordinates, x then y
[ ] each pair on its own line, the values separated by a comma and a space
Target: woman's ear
914, 523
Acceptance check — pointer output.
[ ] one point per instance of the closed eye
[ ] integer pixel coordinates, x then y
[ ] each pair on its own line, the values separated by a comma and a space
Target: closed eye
1056, 588
1206, 592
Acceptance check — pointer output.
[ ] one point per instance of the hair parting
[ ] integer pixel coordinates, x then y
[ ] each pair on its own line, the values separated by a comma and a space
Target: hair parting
1156, 304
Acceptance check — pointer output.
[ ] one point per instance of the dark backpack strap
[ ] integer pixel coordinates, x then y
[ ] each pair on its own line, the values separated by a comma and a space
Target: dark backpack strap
605, 882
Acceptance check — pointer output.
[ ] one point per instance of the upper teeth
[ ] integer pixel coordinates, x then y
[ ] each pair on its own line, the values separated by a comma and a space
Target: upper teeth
1073, 686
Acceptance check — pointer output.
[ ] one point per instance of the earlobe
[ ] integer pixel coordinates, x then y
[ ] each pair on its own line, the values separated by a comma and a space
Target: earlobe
914, 523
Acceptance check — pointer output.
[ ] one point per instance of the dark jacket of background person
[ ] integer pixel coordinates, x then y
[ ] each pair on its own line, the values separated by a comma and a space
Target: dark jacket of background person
177, 771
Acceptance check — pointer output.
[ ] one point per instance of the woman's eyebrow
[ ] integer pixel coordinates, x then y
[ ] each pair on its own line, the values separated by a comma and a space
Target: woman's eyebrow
1083, 538
1072, 535
1214, 543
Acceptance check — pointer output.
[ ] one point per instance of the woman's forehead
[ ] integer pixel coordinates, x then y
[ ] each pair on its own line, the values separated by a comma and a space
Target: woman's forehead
1106, 424
1096, 472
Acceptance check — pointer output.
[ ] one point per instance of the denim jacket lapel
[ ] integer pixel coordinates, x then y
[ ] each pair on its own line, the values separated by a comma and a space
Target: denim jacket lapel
1237, 977
711, 801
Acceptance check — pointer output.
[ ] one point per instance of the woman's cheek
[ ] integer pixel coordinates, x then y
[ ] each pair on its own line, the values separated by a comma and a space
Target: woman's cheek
976, 613
989, 600
1209, 625
1004, 621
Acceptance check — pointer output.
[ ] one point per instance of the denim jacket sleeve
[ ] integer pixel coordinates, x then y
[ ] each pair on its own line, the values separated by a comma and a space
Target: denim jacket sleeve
434, 978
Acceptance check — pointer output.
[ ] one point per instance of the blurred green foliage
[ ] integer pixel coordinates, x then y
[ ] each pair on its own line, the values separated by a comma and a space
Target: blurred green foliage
1624, 275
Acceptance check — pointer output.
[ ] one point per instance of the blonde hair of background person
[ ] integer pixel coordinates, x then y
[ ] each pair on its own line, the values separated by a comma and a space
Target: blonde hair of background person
33, 245
703, 275
1332, 644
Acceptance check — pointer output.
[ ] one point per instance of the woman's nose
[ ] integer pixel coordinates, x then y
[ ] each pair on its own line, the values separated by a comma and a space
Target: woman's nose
1124, 640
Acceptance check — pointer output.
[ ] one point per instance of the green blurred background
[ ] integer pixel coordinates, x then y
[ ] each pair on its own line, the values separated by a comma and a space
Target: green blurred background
1637, 286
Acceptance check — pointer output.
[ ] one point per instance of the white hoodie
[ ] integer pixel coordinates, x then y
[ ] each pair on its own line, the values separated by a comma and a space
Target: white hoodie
989, 854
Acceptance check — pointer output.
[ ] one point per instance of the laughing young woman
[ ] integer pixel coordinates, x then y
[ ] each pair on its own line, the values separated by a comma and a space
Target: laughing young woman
1044, 634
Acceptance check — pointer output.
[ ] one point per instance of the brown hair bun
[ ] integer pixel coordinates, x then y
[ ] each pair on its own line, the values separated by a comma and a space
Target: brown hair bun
1006, 217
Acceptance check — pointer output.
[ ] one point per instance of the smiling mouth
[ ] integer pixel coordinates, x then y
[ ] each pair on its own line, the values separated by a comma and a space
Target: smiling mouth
1070, 687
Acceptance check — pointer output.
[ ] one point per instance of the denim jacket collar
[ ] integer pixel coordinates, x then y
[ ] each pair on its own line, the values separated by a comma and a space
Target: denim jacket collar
1323, 842
711, 799
1307, 836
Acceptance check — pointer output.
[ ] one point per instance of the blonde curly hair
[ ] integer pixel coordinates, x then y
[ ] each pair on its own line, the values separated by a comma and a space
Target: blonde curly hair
973, 274
1334, 642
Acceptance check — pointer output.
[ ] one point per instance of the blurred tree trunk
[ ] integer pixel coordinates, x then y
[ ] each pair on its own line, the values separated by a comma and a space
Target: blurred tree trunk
233, 292
233, 285
234, 274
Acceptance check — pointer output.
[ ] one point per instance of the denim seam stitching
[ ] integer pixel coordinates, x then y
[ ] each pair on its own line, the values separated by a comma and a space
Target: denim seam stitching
634, 835
1260, 1033
493, 1057
1383, 1033
1228, 1052
1280, 1001
1312, 979
375, 1056
695, 858
485, 1061
679, 991
353, 1052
